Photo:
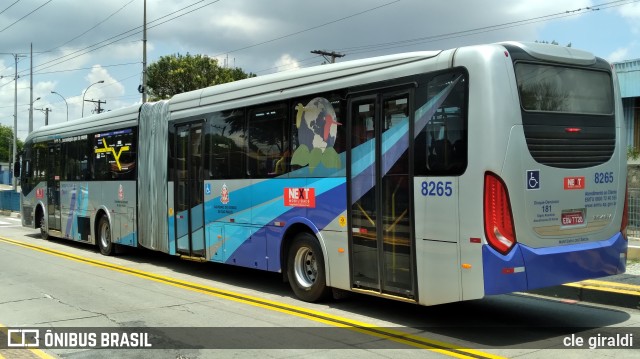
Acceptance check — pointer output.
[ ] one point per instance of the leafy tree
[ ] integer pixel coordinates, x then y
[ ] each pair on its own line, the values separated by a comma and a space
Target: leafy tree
174, 74
6, 143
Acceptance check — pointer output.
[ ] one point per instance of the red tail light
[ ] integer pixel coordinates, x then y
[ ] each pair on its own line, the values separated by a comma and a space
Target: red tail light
625, 213
498, 220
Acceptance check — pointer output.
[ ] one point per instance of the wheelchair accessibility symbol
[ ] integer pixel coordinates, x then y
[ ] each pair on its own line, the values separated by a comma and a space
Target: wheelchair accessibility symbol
533, 179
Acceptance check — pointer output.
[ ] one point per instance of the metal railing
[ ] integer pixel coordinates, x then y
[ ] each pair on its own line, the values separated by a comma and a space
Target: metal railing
633, 228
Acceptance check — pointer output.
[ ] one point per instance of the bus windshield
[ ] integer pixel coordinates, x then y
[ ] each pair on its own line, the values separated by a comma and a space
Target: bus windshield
547, 88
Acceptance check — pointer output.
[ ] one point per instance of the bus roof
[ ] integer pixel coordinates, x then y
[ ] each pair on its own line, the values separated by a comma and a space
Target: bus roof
120, 117
278, 82
290, 79
554, 53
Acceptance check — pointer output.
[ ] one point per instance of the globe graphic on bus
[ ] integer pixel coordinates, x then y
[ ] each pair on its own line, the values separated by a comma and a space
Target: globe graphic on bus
317, 125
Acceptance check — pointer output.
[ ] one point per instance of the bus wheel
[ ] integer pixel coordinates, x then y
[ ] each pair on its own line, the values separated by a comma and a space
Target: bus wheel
104, 236
44, 234
305, 268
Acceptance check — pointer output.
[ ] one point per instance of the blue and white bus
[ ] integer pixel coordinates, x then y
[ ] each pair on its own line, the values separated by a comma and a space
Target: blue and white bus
427, 177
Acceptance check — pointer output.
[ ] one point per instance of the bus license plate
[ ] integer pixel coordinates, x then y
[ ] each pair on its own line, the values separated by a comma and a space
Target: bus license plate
572, 218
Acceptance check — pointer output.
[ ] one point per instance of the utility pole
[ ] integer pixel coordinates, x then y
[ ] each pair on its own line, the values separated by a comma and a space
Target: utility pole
46, 114
31, 91
14, 157
330, 57
143, 87
99, 102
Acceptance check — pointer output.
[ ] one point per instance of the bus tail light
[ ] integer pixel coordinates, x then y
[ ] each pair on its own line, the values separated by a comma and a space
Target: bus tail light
625, 213
498, 218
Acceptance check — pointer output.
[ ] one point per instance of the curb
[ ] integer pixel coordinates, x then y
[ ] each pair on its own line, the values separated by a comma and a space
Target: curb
8, 213
600, 292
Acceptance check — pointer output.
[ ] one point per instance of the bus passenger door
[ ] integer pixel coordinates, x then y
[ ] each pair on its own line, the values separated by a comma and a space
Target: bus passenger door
54, 172
188, 195
381, 237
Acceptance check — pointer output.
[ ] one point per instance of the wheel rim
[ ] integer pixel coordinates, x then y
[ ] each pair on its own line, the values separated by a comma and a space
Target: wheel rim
105, 235
306, 267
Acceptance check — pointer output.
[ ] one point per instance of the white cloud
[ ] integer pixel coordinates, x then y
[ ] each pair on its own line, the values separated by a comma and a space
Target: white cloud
111, 87
287, 62
242, 24
618, 55
631, 12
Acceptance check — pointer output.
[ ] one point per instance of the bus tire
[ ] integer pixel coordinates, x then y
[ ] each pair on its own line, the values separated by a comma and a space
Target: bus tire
44, 234
305, 268
103, 235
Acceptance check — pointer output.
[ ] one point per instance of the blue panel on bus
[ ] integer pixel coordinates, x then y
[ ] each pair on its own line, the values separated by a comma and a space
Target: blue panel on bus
329, 205
575, 262
172, 235
129, 240
503, 274
526, 268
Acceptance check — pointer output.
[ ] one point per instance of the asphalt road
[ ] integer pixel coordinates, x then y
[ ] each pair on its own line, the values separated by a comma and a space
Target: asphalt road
202, 310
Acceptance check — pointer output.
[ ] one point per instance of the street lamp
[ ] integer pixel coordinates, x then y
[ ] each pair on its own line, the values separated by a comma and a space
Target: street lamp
65, 102
85, 92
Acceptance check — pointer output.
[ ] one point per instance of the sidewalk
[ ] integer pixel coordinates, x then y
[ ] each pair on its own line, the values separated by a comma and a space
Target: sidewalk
634, 249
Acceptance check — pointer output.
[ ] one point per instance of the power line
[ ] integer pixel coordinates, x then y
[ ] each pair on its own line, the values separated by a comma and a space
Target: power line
308, 29
122, 36
8, 7
409, 42
15, 22
364, 48
93, 27
182, 9
86, 68
445, 36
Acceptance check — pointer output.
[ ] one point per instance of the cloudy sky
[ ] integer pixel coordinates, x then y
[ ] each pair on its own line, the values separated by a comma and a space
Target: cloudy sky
77, 43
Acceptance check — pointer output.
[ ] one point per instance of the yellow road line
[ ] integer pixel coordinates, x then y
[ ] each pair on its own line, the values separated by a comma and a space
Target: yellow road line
362, 327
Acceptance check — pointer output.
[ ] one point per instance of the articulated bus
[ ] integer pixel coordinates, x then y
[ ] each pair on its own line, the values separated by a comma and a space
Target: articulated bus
426, 177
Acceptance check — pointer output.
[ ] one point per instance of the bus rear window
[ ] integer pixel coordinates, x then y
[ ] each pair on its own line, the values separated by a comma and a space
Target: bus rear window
547, 88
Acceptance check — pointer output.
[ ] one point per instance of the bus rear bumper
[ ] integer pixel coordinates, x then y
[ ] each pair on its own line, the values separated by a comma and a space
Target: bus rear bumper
526, 268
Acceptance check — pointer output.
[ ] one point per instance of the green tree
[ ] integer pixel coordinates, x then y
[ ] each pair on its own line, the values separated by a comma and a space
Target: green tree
174, 74
6, 143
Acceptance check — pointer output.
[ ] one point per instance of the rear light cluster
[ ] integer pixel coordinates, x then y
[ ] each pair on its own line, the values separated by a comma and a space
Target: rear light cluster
498, 218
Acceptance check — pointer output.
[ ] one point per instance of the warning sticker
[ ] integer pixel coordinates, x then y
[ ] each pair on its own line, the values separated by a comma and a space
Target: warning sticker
300, 197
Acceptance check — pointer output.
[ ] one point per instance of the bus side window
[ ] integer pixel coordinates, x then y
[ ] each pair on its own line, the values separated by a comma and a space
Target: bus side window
268, 140
441, 146
226, 146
